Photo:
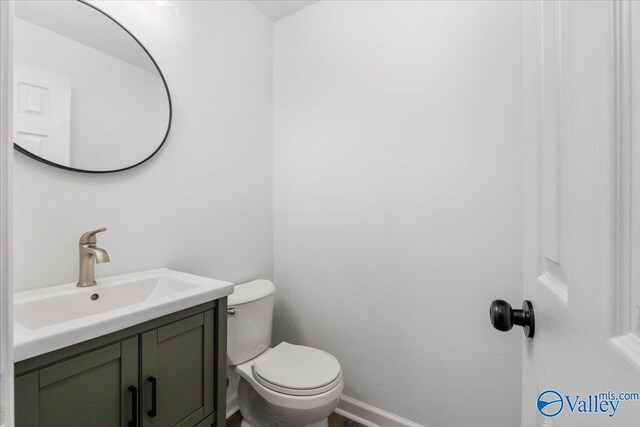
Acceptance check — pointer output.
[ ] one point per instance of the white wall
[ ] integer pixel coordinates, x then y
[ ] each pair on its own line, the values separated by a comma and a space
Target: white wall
203, 204
397, 201
6, 256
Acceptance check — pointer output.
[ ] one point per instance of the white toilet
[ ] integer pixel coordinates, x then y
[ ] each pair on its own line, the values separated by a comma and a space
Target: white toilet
288, 385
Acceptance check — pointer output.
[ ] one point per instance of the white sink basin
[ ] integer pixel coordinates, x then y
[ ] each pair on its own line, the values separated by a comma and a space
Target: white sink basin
51, 318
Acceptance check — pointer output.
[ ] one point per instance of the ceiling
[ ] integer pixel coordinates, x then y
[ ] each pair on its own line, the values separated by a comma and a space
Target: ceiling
278, 9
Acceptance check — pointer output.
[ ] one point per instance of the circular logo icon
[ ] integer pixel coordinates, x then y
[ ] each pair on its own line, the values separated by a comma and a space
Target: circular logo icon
550, 403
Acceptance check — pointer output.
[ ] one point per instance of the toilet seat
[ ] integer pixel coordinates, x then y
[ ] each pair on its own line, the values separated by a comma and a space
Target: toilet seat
297, 370
286, 399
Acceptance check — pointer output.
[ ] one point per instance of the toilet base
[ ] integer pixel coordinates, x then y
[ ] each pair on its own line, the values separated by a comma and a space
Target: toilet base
256, 412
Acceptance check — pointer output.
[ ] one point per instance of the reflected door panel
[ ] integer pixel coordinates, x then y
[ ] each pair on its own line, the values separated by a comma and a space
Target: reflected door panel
42, 113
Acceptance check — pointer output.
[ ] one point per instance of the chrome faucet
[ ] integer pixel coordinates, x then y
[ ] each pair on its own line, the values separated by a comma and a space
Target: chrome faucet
88, 254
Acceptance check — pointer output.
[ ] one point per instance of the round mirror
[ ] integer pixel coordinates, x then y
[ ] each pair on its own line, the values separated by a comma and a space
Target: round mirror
88, 97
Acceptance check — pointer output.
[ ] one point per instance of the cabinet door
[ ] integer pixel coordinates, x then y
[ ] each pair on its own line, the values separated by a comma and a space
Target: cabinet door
88, 390
178, 372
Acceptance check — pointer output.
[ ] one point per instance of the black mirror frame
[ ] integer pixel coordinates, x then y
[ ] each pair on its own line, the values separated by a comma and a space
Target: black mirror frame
166, 87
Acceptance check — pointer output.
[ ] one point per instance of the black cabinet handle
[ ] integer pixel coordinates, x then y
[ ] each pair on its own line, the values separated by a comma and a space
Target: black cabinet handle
134, 406
154, 397
503, 317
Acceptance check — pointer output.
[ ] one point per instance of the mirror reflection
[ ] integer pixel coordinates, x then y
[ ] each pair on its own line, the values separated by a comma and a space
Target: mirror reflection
88, 97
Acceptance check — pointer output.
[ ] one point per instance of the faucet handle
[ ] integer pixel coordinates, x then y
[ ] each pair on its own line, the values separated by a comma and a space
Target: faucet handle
90, 236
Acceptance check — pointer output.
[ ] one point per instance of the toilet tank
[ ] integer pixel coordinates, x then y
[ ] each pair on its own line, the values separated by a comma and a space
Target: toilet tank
249, 320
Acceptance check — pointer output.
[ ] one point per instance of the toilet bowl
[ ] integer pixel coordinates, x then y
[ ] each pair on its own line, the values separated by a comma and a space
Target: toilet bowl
269, 395
287, 385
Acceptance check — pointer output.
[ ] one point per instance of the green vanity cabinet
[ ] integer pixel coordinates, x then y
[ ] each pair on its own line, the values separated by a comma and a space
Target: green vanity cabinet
166, 372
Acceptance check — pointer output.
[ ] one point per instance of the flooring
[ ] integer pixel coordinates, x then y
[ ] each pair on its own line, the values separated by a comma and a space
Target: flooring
335, 420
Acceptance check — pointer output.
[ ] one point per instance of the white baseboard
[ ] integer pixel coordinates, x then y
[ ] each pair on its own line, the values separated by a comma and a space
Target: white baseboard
232, 404
370, 416
360, 412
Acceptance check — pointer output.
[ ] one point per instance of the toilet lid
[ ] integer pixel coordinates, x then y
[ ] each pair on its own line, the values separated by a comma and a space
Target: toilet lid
297, 370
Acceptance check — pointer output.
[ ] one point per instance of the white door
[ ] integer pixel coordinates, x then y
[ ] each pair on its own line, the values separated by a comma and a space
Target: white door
42, 113
582, 213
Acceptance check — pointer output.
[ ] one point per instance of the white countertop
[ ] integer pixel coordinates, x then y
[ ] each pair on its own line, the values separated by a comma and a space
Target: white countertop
55, 317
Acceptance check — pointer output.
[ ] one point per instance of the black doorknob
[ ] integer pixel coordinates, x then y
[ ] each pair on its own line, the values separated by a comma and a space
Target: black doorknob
503, 317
